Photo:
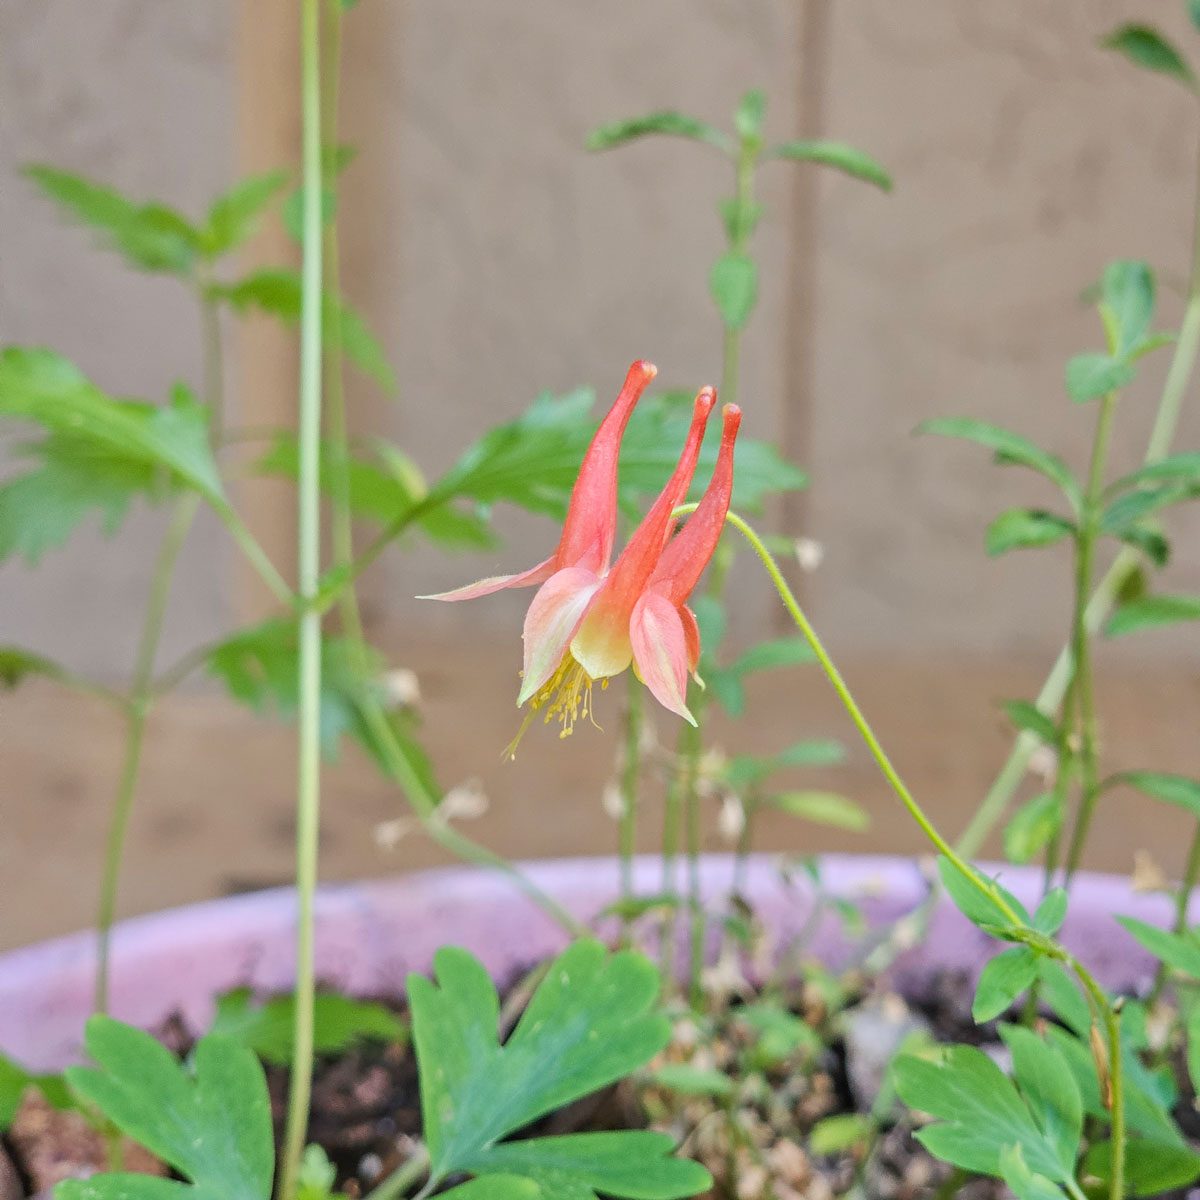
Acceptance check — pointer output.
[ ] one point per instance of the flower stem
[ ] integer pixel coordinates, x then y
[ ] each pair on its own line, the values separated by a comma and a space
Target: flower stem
984, 886
693, 743
402, 1178
140, 700
308, 775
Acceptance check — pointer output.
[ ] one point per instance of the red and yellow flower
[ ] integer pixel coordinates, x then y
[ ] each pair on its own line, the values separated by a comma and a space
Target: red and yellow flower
589, 621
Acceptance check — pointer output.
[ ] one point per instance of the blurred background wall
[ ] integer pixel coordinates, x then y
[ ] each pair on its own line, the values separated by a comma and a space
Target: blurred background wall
494, 257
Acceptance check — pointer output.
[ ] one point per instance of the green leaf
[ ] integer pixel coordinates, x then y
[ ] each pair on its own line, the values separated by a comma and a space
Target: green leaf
533, 462
1032, 827
384, 485
981, 1112
837, 1134
1193, 1049
17, 665
782, 652
692, 1081
334, 160
1022, 1182
339, 1022
1146, 47
1009, 448
210, 1121
1090, 376
667, 123
1149, 541
1132, 507
1151, 612
748, 119
835, 154
316, 1177
41, 386
1051, 912
740, 217
630, 1164
73, 478
1022, 528
1178, 790
276, 292
1028, 718
496, 1187
590, 1022
1151, 1168
150, 237
822, 808
1193, 9
747, 769
15, 1081
734, 286
1049, 1089
1127, 291
1003, 979
1178, 468
1062, 996
1180, 951
259, 667
235, 216
978, 907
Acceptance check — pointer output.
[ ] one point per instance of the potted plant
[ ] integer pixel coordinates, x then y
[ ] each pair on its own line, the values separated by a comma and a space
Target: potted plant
654, 1028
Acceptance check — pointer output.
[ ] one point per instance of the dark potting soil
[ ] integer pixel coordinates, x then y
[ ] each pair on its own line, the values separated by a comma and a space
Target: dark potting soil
366, 1109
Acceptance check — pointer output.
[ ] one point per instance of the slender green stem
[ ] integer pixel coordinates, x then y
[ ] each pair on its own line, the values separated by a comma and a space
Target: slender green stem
1085, 691
631, 765
401, 1179
308, 773
982, 885
140, 699
256, 555
744, 167
1162, 434
860, 722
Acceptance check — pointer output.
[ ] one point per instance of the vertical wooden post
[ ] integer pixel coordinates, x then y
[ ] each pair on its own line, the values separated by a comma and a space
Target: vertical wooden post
799, 340
268, 136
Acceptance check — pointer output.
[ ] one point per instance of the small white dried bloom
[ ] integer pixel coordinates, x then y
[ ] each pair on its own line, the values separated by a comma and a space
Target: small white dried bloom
1043, 763
712, 764
1147, 875
401, 688
466, 801
809, 553
612, 800
387, 835
731, 820
725, 977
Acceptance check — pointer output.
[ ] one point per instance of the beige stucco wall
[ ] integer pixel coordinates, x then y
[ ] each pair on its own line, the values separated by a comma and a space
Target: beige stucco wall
140, 95
495, 257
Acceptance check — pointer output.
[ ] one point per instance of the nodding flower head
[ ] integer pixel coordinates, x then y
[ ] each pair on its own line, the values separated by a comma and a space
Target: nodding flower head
589, 621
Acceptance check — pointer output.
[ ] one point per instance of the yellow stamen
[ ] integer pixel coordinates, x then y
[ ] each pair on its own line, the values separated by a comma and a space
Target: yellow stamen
566, 698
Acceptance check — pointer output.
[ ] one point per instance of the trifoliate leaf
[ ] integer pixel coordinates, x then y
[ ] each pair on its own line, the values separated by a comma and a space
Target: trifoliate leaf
210, 1120
590, 1022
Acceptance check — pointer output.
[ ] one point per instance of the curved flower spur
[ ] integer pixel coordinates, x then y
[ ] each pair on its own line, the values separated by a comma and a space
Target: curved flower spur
589, 622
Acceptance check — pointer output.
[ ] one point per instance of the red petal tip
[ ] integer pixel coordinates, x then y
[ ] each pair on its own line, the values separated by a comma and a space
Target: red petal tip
648, 369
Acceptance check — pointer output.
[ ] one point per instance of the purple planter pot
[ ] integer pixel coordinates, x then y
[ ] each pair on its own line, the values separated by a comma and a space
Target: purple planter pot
370, 935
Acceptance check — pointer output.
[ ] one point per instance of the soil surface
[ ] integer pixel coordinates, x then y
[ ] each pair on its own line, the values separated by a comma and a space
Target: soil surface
366, 1104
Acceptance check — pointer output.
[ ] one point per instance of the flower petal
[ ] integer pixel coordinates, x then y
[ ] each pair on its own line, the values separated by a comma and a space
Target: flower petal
591, 524
660, 652
551, 622
683, 561
691, 634
496, 583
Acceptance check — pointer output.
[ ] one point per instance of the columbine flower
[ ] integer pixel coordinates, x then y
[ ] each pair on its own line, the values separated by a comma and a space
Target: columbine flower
587, 622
